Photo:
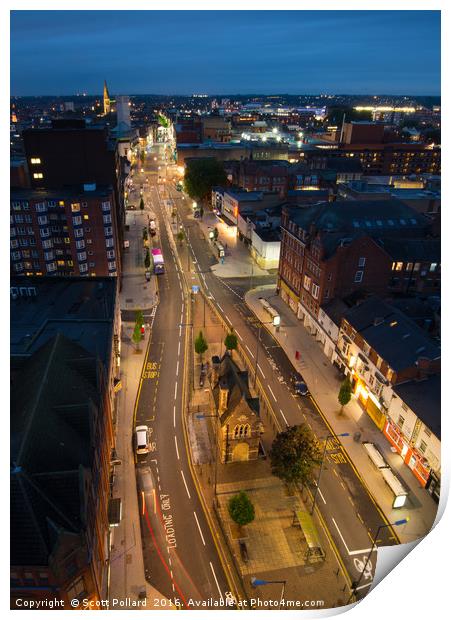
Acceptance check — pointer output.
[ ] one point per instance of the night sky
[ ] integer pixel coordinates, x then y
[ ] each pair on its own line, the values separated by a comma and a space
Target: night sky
225, 52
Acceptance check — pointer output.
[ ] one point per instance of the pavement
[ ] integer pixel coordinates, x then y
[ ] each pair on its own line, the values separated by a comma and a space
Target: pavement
324, 384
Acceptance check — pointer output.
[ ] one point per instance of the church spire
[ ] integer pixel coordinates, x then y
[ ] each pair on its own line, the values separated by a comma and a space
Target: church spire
106, 99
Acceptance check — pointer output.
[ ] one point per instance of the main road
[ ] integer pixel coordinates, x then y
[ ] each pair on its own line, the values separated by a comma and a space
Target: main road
180, 552
349, 512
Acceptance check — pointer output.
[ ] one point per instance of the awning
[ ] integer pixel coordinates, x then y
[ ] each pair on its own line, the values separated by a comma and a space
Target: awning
114, 511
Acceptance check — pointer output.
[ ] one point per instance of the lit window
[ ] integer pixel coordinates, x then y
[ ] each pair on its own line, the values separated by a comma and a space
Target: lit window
38, 175
399, 266
358, 276
61, 203
66, 240
362, 261
433, 267
86, 217
75, 206
35, 160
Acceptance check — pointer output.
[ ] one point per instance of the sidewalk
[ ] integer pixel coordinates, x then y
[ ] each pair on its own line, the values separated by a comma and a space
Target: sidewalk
324, 384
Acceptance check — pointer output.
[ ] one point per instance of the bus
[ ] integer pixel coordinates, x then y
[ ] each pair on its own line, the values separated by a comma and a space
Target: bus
157, 261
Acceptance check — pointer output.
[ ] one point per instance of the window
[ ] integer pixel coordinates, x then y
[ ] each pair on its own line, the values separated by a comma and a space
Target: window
35, 160
409, 266
401, 421
38, 175
241, 430
51, 267
345, 347
16, 206
379, 362
417, 266
76, 220
362, 261
67, 240
399, 266
19, 219
83, 268
405, 407
42, 219
108, 230
358, 276
75, 207
92, 264
80, 245
110, 254
107, 219
422, 447
89, 241
78, 232
106, 206
28, 218
40, 207
427, 432
86, 217
46, 244
307, 282
433, 266
315, 291
111, 265
81, 256
109, 243
45, 232
14, 243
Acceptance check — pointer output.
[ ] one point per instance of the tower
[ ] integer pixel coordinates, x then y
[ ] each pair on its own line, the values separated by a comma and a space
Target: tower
106, 99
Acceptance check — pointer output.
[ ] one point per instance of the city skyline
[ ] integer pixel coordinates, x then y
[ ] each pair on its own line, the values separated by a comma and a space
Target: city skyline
302, 52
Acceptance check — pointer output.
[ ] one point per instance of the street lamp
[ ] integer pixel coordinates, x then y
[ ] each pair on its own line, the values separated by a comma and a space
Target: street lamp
263, 582
329, 436
356, 584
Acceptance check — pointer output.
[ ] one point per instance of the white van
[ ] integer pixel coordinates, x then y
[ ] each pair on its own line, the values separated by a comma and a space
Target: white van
142, 440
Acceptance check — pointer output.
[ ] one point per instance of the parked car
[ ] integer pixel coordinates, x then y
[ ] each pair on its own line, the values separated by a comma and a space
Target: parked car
298, 384
142, 440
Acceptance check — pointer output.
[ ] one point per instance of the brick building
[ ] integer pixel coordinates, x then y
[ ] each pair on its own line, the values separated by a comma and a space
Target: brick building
69, 231
331, 250
216, 128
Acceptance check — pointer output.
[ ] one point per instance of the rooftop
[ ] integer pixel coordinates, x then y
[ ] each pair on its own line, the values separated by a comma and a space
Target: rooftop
424, 398
80, 308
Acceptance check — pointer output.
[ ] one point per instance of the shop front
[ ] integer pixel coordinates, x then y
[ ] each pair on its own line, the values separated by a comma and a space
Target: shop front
288, 296
369, 402
411, 457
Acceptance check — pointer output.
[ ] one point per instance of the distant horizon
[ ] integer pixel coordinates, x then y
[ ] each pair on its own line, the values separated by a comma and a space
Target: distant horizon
227, 95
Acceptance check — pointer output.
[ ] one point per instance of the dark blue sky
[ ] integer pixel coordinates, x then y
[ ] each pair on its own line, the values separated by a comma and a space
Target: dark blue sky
181, 52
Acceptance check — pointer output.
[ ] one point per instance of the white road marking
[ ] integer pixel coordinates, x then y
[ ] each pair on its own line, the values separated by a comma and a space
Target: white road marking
174, 416
216, 580
176, 447
322, 496
238, 334
365, 585
269, 387
346, 546
249, 351
228, 319
222, 310
175, 390
213, 297
180, 330
261, 371
178, 352
177, 370
286, 422
200, 531
184, 482
183, 308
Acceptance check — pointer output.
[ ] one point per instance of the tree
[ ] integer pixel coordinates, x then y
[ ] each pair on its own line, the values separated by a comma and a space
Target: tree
180, 236
141, 204
241, 509
147, 260
294, 455
201, 175
145, 233
231, 341
344, 395
139, 322
200, 345
215, 234
142, 156
174, 215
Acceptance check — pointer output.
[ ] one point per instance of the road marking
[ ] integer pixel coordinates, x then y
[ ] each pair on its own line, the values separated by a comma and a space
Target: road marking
174, 416
175, 390
249, 351
216, 580
269, 387
365, 585
228, 319
183, 308
154, 502
176, 447
322, 496
238, 334
184, 482
222, 310
177, 370
286, 422
178, 352
180, 331
200, 531
258, 365
346, 546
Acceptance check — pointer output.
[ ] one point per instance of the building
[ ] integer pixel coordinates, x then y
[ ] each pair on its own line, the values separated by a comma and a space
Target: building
123, 112
71, 153
64, 232
216, 128
335, 249
106, 99
264, 176
227, 151
61, 443
238, 412
386, 356
188, 131
362, 132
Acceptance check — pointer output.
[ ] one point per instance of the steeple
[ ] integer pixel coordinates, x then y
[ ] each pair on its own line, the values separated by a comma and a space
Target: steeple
106, 99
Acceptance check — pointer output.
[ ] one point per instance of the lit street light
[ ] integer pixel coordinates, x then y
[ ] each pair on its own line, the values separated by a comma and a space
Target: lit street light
355, 585
263, 582
329, 436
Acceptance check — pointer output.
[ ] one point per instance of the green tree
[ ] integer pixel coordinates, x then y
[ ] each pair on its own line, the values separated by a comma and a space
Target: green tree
231, 341
201, 175
241, 509
294, 455
147, 260
141, 204
200, 345
344, 395
180, 236
215, 234
139, 322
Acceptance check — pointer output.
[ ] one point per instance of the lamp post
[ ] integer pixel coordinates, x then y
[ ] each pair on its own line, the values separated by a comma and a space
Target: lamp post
263, 582
356, 584
329, 436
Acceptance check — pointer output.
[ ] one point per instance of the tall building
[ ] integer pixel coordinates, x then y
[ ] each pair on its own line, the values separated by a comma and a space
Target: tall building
106, 99
123, 112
